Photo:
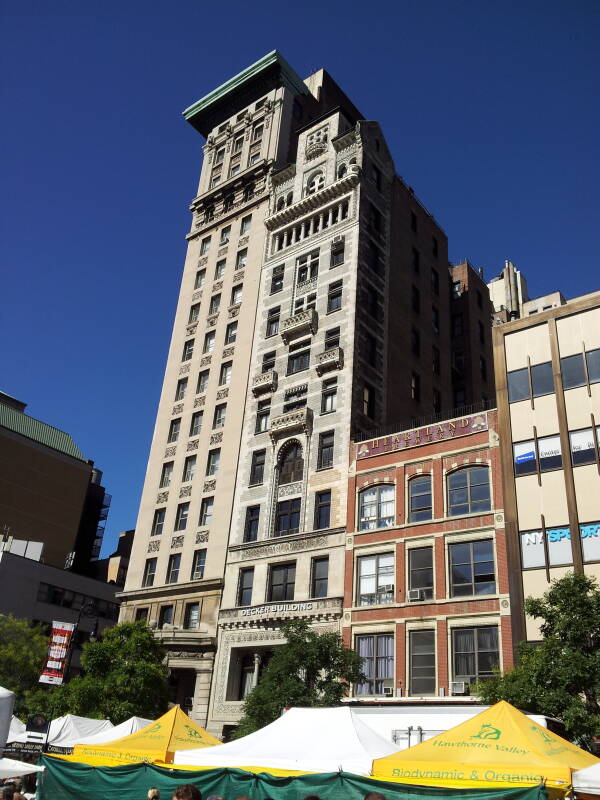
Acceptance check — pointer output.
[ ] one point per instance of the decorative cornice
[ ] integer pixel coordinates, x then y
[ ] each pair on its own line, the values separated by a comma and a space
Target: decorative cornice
306, 320
299, 420
264, 382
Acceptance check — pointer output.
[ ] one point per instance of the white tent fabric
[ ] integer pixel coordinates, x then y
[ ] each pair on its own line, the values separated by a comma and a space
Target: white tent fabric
69, 730
16, 728
587, 780
9, 768
304, 739
7, 702
131, 725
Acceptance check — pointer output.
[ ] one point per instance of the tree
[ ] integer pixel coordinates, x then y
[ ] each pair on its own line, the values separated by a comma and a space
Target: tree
124, 675
23, 648
561, 676
310, 669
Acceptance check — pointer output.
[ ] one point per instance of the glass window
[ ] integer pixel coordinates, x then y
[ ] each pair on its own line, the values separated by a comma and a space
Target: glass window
196, 423
277, 279
474, 653
236, 294
472, 568
246, 579
174, 429
375, 583
468, 491
593, 365
220, 269
549, 453
202, 381
189, 468
251, 524
524, 457
320, 574
200, 278
257, 468
213, 461
287, 517
141, 614
377, 655
173, 568
209, 342
420, 571
368, 400
337, 255
181, 518
583, 449
542, 380
206, 511
205, 246
225, 234
262, 416
590, 541
188, 350
573, 372
518, 385
194, 313
420, 503
422, 663
282, 579
291, 464
166, 475
307, 266
273, 320
334, 296
322, 509
165, 616
558, 543
376, 508
219, 415
298, 360
329, 395
158, 522
268, 361
191, 616
325, 454
198, 564
241, 259
245, 224
231, 333
215, 303
225, 374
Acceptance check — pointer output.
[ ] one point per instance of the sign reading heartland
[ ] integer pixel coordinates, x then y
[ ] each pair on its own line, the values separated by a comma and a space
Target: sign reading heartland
441, 431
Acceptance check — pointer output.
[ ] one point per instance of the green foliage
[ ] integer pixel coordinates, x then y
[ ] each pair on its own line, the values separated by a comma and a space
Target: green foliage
311, 669
560, 677
23, 648
124, 676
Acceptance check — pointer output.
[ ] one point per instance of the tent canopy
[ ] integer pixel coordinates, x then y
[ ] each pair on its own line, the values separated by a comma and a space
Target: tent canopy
500, 746
587, 780
131, 725
157, 741
9, 768
304, 740
66, 731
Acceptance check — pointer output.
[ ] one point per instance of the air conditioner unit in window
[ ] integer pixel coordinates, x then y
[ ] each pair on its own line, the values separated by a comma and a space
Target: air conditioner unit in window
388, 687
388, 587
414, 595
458, 687
337, 240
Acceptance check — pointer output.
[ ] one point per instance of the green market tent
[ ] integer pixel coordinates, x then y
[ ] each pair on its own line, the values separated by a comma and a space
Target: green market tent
69, 781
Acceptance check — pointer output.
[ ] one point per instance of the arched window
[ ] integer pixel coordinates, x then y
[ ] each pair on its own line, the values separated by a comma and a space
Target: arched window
291, 464
289, 199
342, 169
419, 498
468, 491
376, 507
315, 183
281, 203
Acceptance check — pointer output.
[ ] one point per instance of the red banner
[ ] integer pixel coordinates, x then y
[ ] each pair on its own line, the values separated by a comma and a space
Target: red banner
58, 651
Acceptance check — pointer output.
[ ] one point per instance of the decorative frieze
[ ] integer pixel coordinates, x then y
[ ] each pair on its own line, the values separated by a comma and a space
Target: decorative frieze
269, 548
197, 296
239, 275
202, 537
209, 486
314, 201
303, 322
307, 286
162, 497
216, 437
177, 541
185, 491
184, 369
177, 409
170, 451
330, 359
265, 382
191, 330
222, 394
205, 361
192, 445
243, 241
217, 286
211, 321
289, 489
228, 352
199, 401
222, 251
299, 420
154, 546
233, 311
202, 261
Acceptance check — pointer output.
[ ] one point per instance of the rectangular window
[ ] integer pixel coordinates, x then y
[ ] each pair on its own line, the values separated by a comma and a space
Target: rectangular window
219, 156
225, 374
472, 568
231, 333
141, 614
198, 565
583, 448
174, 429
257, 132
319, 579
241, 258
480, 328
435, 320
194, 313
415, 341
518, 385
206, 511
225, 234
220, 269
189, 468
173, 568
435, 360
235, 166
322, 510
475, 653
196, 423
369, 401
262, 416
215, 304
245, 224
377, 656
257, 468
434, 246
213, 461
165, 616
422, 663
205, 246
468, 491
437, 401
435, 281
299, 357
251, 524
415, 387
282, 580
158, 522
200, 279
236, 294
188, 350
325, 453
416, 260
268, 361
542, 380
209, 342
238, 144
549, 453
334, 296
166, 475
524, 456
369, 349
419, 498
277, 279
202, 381
219, 415
307, 266
149, 572
287, 517
375, 220
557, 544
420, 572
246, 579
191, 616
329, 395
590, 541
181, 518
337, 255
483, 368
457, 325
573, 371
181, 388
215, 178
592, 358
415, 300
273, 320
375, 582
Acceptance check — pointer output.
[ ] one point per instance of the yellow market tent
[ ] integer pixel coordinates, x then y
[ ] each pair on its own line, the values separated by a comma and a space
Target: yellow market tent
155, 743
498, 748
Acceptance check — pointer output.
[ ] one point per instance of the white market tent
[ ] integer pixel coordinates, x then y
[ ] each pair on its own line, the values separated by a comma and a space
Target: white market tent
16, 728
587, 780
9, 768
66, 732
131, 725
303, 739
7, 702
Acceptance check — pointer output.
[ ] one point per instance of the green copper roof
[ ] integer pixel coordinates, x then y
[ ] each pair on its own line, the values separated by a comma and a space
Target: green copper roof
38, 431
272, 60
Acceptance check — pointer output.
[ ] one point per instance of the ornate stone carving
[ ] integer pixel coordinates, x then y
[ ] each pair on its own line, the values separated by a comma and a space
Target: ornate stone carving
205, 361
239, 276
209, 486
191, 330
211, 321
267, 548
306, 286
217, 286
302, 322
216, 438
233, 311
170, 451
315, 149
289, 489
244, 240
330, 359
177, 541
222, 251
177, 409
264, 382
222, 394
228, 351
197, 296
192, 445
183, 370
185, 491
162, 497
201, 537
154, 546
299, 420
199, 401
202, 261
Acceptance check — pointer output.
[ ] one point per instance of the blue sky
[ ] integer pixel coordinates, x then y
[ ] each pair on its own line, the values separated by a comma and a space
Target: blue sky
490, 110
